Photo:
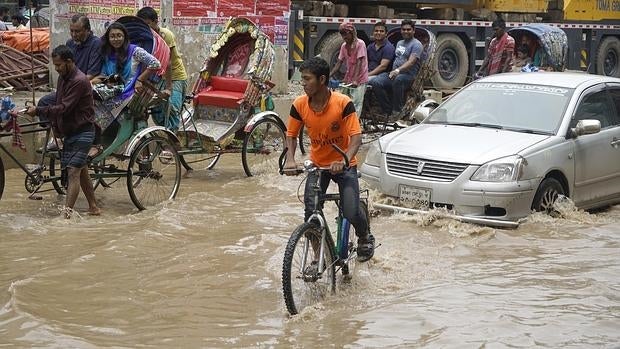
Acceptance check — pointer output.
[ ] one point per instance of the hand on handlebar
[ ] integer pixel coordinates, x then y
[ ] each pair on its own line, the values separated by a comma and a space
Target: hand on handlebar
336, 167
291, 169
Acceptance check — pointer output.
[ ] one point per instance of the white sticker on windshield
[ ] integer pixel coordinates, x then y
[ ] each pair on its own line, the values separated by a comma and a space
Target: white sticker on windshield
523, 87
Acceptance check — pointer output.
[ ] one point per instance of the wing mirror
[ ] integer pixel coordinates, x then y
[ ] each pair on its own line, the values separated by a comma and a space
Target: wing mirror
423, 110
586, 127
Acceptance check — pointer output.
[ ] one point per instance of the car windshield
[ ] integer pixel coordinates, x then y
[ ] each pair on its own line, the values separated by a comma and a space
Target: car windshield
511, 106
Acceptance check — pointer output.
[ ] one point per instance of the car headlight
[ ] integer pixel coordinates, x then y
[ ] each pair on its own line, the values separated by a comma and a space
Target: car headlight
373, 157
506, 169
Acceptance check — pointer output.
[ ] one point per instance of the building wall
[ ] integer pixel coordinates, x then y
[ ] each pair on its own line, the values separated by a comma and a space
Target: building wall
194, 35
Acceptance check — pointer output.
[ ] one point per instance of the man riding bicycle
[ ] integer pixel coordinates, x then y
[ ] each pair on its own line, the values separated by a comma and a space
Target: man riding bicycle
329, 118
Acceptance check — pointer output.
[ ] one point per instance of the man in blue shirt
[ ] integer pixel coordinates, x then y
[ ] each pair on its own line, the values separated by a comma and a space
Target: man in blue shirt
380, 52
407, 61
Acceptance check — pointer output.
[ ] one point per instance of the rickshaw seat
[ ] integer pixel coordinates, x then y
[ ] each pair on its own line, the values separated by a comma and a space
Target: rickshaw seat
222, 92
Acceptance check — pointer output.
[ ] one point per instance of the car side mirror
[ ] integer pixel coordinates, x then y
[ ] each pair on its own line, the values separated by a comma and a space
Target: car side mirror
586, 127
423, 110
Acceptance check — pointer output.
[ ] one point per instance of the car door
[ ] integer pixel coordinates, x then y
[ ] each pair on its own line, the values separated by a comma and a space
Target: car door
597, 156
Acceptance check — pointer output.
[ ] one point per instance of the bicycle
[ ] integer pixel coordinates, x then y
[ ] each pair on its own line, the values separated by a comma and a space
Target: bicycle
311, 256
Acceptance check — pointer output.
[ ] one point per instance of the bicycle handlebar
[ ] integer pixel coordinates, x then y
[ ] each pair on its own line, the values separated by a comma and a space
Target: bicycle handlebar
308, 165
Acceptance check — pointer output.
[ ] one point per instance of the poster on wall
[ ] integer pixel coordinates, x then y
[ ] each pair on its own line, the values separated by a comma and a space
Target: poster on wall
194, 8
278, 8
107, 9
234, 8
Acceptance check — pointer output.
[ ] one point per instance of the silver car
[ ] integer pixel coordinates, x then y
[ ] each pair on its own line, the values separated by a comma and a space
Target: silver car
504, 146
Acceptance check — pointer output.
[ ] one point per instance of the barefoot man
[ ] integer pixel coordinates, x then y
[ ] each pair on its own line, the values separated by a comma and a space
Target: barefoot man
72, 117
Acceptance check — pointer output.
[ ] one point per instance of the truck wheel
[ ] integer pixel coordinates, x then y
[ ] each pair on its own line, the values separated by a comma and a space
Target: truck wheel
329, 48
608, 57
451, 62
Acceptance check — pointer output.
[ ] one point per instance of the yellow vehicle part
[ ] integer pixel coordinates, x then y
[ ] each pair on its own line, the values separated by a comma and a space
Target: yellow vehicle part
591, 10
518, 6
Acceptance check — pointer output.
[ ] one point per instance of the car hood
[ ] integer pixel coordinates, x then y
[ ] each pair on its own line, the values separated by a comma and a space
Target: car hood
471, 145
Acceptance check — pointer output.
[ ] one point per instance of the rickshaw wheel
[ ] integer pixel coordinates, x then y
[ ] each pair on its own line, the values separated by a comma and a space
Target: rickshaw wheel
191, 161
262, 147
1, 178
154, 172
55, 171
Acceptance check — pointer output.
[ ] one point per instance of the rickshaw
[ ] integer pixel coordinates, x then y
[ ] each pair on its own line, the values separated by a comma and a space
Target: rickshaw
146, 156
374, 122
231, 103
552, 40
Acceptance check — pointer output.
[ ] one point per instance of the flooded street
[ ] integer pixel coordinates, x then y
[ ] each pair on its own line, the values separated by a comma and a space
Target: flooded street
205, 271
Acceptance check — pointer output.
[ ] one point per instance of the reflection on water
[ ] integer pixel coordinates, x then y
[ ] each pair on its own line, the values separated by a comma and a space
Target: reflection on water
204, 271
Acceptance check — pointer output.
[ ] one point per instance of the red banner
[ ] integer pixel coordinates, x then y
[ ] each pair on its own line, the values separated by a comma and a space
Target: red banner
235, 8
194, 8
273, 7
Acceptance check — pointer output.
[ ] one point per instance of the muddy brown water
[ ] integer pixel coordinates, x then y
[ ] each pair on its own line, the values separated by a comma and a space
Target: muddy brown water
204, 271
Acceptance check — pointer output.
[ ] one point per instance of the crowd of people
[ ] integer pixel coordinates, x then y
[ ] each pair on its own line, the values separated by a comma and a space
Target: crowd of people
389, 70
103, 74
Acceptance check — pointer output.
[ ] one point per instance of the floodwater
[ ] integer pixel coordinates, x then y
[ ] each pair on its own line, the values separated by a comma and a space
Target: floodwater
205, 271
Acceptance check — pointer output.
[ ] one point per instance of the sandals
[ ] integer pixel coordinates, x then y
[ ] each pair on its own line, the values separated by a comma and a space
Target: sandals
94, 151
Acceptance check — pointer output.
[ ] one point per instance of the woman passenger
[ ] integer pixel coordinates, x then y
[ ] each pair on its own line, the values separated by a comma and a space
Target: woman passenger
125, 65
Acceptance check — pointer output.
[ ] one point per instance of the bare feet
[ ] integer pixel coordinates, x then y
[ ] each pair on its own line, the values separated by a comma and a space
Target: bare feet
68, 211
95, 211
188, 174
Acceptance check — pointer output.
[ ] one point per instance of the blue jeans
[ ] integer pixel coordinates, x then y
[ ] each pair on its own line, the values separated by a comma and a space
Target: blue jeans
177, 97
384, 88
348, 186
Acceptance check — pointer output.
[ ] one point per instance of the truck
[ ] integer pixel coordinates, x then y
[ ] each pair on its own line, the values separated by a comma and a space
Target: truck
462, 29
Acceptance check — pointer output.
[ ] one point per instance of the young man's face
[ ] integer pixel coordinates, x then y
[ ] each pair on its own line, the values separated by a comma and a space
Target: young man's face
380, 33
406, 30
499, 31
311, 83
78, 32
154, 24
61, 66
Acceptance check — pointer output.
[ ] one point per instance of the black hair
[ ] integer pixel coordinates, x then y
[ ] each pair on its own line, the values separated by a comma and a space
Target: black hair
63, 52
107, 49
523, 48
317, 66
499, 23
82, 19
147, 13
407, 22
381, 24
21, 19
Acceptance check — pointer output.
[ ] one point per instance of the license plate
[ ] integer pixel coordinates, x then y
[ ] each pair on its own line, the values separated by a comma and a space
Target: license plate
414, 196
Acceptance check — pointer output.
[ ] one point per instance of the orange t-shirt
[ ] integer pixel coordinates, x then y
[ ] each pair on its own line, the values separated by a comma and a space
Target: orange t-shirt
334, 125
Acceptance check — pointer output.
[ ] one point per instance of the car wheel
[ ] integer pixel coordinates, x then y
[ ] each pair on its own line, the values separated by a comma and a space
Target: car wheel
548, 192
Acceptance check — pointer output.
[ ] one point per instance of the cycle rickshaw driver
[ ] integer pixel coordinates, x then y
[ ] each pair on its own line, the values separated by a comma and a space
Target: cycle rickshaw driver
329, 118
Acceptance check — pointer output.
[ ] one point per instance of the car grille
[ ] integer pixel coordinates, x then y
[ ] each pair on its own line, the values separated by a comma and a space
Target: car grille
408, 166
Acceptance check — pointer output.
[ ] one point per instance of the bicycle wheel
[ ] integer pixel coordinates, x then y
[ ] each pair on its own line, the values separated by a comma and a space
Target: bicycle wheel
200, 161
107, 166
304, 287
262, 147
1, 178
154, 172
56, 172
